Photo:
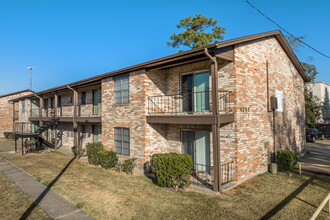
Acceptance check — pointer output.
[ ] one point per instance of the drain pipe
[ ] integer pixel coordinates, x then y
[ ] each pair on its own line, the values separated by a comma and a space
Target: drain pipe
215, 110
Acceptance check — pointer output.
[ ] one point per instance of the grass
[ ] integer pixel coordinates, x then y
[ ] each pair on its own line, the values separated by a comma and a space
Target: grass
13, 202
107, 194
7, 145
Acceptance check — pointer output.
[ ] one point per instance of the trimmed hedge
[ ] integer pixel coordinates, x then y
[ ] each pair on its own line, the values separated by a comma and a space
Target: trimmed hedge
172, 169
107, 159
9, 135
92, 150
286, 160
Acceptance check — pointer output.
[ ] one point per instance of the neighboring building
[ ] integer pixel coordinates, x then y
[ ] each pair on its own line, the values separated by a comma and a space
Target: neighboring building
322, 91
7, 111
170, 105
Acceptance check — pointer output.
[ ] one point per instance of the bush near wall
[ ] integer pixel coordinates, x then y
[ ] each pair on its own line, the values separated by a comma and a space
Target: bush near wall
9, 135
107, 159
286, 160
172, 169
92, 150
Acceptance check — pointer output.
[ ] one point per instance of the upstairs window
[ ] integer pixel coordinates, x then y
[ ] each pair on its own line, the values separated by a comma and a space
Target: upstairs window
83, 98
121, 90
23, 106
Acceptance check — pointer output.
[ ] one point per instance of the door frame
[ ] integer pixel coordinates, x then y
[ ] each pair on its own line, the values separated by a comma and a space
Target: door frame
180, 85
198, 129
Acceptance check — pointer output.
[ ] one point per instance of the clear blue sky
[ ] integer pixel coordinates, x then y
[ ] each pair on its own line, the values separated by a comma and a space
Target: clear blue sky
66, 40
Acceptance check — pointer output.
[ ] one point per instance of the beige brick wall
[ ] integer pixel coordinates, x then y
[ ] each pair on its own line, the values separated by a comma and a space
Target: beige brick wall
6, 112
253, 123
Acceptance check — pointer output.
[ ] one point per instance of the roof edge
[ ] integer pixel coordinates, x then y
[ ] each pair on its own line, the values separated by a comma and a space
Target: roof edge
14, 93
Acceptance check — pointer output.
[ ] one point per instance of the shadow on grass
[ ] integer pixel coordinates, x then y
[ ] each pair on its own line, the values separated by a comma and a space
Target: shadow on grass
288, 199
44, 193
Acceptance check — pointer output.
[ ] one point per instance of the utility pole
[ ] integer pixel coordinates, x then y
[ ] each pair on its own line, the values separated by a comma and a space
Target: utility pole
30, 68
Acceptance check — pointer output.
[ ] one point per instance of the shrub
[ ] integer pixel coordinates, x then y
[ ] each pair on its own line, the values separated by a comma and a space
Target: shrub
92, 149
172, 169
129, 165
78, 151
107, 159
9, 135
286, 160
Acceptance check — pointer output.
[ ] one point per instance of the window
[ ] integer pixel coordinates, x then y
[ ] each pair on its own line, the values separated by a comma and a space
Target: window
122, 141
52, 103
83, 131
83, 98
23, 106
122, 90
59, 101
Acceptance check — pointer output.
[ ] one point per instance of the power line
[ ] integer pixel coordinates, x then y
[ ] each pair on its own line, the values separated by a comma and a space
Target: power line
287, 31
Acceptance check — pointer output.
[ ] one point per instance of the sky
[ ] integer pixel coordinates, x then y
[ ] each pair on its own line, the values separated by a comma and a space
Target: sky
67, 40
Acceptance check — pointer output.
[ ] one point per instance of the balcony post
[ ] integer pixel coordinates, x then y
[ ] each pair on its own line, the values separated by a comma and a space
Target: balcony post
41, 105
216, 127
75, 125
55, 115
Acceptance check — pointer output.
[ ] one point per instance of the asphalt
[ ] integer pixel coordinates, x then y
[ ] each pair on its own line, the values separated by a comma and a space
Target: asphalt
317, 153
53, 204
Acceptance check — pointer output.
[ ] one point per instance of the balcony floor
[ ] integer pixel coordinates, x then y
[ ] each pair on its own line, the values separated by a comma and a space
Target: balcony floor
206, 119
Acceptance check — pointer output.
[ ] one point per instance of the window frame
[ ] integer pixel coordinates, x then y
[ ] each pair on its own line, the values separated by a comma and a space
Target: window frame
122, 141
23, 106
121, 90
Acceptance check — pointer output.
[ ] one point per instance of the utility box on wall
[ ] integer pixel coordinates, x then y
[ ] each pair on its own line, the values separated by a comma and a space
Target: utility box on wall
273, 103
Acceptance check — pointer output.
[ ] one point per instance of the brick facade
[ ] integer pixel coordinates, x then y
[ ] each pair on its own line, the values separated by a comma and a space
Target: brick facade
6, 111
247, 142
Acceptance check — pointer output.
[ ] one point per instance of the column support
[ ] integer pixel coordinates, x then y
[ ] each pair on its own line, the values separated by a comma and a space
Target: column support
55, 115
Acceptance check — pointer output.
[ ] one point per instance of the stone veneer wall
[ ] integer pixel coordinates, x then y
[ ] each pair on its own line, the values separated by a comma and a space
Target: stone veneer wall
6, 112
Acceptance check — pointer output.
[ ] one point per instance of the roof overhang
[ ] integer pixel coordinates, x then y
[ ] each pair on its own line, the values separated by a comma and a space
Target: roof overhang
223, 50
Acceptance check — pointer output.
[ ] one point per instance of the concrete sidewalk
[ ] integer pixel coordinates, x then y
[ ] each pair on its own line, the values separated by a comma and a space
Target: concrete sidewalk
53, 204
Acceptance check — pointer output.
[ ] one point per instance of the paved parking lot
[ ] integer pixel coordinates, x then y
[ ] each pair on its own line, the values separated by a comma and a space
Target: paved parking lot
317, 153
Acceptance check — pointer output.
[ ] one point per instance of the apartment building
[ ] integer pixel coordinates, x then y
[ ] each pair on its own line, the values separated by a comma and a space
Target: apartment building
211, 102
8, 111
322, 91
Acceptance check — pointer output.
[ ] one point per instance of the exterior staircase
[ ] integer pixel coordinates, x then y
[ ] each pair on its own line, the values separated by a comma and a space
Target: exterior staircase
43, 128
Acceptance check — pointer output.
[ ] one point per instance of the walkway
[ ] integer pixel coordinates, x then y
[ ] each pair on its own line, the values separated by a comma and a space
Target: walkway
53, 204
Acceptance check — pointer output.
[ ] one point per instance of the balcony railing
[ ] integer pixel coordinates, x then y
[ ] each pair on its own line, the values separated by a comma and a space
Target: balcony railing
203, 175
194, 102
22, 128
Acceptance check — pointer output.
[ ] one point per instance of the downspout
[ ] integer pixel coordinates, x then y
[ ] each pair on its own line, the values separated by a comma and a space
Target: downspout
215, 110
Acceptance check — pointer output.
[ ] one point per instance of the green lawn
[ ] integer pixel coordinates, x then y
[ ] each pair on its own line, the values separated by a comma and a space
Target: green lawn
13, 202
106, 194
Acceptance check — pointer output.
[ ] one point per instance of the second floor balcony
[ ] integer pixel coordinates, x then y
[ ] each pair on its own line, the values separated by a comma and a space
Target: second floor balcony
189, 108
188, 103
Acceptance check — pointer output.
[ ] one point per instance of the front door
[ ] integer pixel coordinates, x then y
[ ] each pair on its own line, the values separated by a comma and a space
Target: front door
95, 102
95, 133
195, 92
196, 143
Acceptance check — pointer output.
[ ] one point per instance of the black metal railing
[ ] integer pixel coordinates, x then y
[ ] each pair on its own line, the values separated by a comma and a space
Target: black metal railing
194, 102
88, 110
227, 172
34, 112
22, 128
203, 175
